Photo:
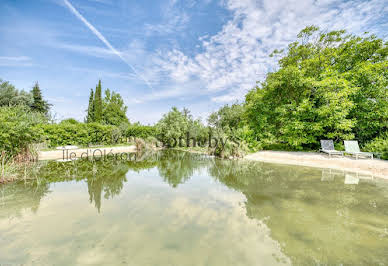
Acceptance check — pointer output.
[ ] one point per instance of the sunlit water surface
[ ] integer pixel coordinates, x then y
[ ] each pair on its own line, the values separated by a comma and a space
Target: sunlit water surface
176, 208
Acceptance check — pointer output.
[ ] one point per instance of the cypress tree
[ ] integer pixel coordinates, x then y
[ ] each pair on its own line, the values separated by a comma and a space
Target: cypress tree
90, 115
38, 104
98, 104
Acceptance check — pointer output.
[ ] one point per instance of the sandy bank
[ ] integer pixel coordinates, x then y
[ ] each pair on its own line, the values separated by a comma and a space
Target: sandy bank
77, 153
375, 167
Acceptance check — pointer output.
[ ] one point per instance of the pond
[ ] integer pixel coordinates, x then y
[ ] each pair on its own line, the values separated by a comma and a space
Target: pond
178, 208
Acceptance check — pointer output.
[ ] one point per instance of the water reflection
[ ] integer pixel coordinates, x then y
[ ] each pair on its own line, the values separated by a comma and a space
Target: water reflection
318, 217
315, 222
15, 198
178, 167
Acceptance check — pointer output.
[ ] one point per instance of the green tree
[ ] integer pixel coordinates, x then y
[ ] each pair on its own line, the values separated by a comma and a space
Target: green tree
38, 104
90, 111
109, 110
114, 109
228, 117
98, 105
329, 85
10, 96
176, 124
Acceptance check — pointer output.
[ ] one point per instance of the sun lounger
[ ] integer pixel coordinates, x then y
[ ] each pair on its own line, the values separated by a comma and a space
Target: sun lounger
351, 147
327, 146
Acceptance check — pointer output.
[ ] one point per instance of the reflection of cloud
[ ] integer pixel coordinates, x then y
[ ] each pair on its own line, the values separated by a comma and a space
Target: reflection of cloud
149, 223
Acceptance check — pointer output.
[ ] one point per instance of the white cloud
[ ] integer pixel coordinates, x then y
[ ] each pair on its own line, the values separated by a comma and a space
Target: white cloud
236, 57
15, 61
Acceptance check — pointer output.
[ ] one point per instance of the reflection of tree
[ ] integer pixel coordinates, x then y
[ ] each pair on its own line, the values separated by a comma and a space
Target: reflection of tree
105, 177
315, 222
177, 167
18, 196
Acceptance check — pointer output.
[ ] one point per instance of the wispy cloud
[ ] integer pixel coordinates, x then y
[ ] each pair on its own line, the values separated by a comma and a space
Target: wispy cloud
17, 61
232, 60
173, 20
104, 40
102, 73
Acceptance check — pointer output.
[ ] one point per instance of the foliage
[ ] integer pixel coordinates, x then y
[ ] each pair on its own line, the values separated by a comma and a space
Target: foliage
90, 111
227, 117
329, 85
378, 145
110, 111
114, 109
10, 96
177, 124
69, 121
17, 128
98, 105
81, 134
39, 105
140, 131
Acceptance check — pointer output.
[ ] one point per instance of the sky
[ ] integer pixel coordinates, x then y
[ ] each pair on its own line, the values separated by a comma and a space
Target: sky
199, 54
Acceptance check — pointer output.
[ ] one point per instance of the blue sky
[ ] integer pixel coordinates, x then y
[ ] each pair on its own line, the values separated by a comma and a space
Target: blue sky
159, 54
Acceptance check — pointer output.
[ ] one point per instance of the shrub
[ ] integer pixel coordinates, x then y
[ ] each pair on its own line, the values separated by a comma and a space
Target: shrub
139, 131
378, 145
69, 121
17, 129
80, 134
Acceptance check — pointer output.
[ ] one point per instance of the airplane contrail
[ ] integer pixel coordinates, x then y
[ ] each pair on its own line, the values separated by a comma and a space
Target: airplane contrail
104, 40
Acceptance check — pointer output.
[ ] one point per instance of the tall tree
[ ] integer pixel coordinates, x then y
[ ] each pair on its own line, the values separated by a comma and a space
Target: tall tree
38, 104
98, 104
114, 112
90, 115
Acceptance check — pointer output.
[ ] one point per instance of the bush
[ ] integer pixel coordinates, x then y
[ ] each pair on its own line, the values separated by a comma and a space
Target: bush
69, 121
80, 134
139, 131
17, 129
378, 145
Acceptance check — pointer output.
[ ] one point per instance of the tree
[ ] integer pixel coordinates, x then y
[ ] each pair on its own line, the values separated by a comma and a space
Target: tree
110, 110
10, 96
90, 114
227, 117
114, 109
98, 104
177, 124
38, 104
329, 85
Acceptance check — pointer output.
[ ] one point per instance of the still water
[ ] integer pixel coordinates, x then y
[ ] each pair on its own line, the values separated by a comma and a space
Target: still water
177, 208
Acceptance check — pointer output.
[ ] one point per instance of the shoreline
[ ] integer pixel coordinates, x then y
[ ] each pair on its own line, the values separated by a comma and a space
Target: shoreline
376, 167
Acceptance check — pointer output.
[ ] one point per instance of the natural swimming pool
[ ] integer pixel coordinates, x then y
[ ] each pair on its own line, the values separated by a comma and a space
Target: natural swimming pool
178, 208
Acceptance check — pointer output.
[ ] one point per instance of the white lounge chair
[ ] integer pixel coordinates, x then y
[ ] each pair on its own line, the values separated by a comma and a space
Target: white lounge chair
351, 147
327, 146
